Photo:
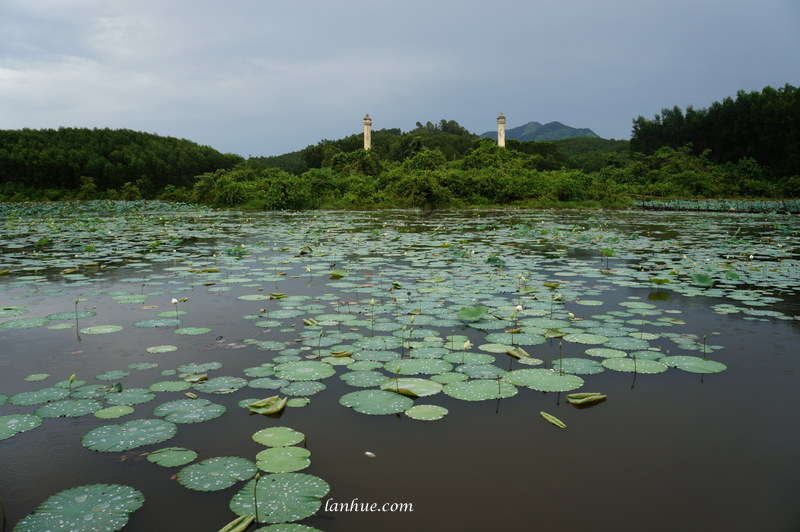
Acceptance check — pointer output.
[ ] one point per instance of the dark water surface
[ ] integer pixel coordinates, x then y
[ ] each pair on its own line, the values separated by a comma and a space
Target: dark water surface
671, 451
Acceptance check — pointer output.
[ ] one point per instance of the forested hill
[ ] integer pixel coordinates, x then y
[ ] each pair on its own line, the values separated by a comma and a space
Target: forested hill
103, 159
534, 131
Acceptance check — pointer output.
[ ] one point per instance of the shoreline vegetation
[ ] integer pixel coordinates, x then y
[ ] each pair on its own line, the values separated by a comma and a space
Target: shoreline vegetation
745, 150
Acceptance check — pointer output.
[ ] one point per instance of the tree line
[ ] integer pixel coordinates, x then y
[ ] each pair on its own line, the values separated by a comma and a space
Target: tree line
747, 147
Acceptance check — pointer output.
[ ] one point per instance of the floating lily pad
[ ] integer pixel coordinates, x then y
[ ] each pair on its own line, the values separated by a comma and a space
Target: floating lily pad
605, 352
69, 408
363, 379
83, 314
304, 388
412, 387
694, 364
36, 397
15, 423
158, 349
585, 338
216, 474
24, 323
199, 368
221, 385
418, 366
130, 396
578, 366
543, 380
162, 322
189, 410
278, 436
630, 365
171, 456
479, 390
113, 412
281, 497
170, 386
36, 377
91, 508
192, 331
115, 375
426, 412
101, 329
304, 370
283, 459
376, 402
128, 435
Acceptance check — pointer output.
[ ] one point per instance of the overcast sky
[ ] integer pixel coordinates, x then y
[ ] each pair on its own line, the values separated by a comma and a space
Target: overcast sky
265, 77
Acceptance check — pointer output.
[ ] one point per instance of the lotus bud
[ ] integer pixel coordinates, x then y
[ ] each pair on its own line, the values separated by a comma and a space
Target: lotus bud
370, 454
174, 301
72, 378
518, 308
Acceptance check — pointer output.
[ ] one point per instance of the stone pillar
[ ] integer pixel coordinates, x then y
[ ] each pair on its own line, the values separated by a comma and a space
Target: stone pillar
501, 131
367, 132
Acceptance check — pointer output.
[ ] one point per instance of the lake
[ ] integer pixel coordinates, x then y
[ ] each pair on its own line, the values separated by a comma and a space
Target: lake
131, 328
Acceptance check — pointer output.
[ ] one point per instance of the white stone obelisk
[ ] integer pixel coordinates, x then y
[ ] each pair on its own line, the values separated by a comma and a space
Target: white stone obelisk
367, 132
501, 131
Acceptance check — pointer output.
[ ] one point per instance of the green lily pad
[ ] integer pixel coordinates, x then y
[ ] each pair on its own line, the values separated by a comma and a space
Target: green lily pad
101, 329
543, 380
24, 323
480, 390
216, 474
426, 412
163, 322
288, 527
278, 436
605, 352
281, 497
283, 459
578, 366
630, 365
304, 370
16, 423
170, 386
585, 338
36, 397
694, 364
302, 388
128, 435
113, 412
171, 456
158, 349
412, 387
130, 396
91, 508
418, 366
37, 377
115, 375
221, 385
189, 410
192, 331
363, 379
376, 402
69, 408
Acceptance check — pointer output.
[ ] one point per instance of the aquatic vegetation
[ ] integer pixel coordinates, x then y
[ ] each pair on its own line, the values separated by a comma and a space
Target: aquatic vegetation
393, 324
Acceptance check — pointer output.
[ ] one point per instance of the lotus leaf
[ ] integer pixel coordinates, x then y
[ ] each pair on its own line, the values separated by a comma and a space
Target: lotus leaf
163, 322
418, 366
91, 508
376, 402
278, 436
495, 348
189, 410
199, 368
426, 412
578, 366
36, 377
15, 423
101, 329
260, 371
694, 364
543, 380
304, 388
585, 338
130, 396
267, 383
447, 378
470, 314
480, 371
270, 405
128, 435
113, 375
216, 474
283, 459
170, 386
479, 390
113, 412
469, 358
281, 497
158, 349
221, 385
171, 456
304, 370
632, 365
69, 408
363, 379
24, 323
605, 352
36, 397
288, 527
412, 387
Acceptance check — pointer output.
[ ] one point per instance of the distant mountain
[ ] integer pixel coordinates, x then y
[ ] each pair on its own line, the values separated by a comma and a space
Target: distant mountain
540, 132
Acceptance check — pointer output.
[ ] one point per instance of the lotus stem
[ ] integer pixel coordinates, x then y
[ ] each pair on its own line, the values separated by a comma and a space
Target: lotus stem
255, 498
